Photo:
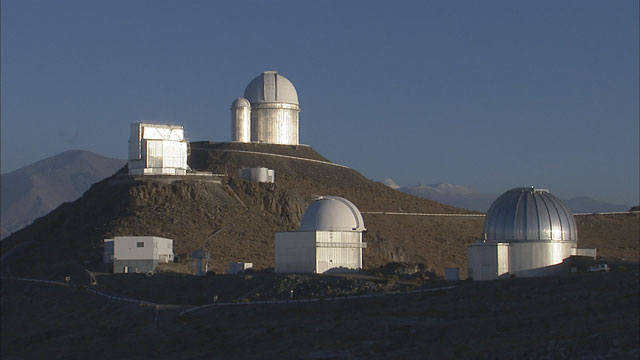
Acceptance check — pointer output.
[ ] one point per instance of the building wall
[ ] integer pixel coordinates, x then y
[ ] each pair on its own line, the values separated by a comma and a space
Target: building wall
163, 249
525, 256
259, 174
126, 248
108, 251
275, 123
134, 266
154, 248
295, 252
488, 261
241, 124
338, 249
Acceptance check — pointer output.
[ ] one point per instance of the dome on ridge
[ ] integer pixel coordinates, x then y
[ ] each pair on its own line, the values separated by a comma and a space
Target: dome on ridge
271, 87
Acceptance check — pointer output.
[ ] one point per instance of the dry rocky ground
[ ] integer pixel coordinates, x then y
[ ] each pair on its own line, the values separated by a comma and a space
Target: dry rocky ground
586, 315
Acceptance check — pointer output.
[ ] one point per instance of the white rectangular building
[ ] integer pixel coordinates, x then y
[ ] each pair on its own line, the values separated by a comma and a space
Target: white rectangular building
156, 149
318, 251
138, 254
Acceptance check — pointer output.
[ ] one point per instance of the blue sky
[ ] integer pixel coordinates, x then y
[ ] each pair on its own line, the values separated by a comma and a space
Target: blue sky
487, 94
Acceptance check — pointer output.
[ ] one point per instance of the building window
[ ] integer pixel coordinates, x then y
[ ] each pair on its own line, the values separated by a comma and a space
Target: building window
140, 244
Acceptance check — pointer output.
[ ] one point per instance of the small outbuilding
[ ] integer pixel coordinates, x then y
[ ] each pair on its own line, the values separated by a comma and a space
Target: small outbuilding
137, 254
259, 174
329, 239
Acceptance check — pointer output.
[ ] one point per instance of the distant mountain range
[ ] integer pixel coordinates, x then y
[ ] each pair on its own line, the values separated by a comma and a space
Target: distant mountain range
467, 198
36, 189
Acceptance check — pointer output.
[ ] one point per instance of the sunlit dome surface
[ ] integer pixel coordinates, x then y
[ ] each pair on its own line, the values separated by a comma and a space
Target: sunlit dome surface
332, 213
529, 214
240, 102
271, 87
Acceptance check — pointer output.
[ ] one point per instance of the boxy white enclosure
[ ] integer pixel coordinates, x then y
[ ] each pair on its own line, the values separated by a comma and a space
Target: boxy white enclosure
156, 149
259, 174
330, 239
139, 253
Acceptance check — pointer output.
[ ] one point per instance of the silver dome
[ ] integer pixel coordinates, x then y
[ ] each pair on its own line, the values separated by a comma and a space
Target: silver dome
527, 214
240, 102
332, 213
271, 87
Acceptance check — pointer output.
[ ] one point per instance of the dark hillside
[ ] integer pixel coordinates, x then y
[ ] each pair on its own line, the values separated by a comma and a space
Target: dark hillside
245, 215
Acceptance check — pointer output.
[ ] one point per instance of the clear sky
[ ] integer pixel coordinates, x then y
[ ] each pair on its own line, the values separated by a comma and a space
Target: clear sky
487, 94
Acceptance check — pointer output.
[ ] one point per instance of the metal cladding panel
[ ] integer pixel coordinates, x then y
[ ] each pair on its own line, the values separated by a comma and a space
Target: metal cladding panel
528, 214
174, 154
271, 87
295, 252
259, 174
503, 258
162, 132
338, 250
332, 213
135, 143
487, 261
275, 126
241, 124
533, 255
152, 152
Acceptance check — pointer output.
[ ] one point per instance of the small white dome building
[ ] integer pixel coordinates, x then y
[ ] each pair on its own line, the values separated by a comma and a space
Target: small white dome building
271, 102
329, 239
527, 232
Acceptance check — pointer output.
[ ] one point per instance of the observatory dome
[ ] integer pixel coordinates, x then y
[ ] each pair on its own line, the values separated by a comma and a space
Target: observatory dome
527, 214
240, 102
332, 213
271, 87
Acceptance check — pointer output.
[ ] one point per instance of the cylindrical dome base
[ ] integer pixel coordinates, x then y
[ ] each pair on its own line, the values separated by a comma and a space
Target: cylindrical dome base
529, 259
275, 123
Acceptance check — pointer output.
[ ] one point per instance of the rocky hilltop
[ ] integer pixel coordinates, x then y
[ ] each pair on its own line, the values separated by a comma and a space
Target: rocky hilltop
236, 220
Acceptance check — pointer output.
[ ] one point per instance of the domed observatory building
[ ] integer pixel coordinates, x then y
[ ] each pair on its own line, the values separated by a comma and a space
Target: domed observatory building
330, 238
527, 232
271, 103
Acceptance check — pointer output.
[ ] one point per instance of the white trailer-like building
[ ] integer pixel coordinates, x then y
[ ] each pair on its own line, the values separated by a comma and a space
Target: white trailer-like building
329, 239
138, 254
156, 149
